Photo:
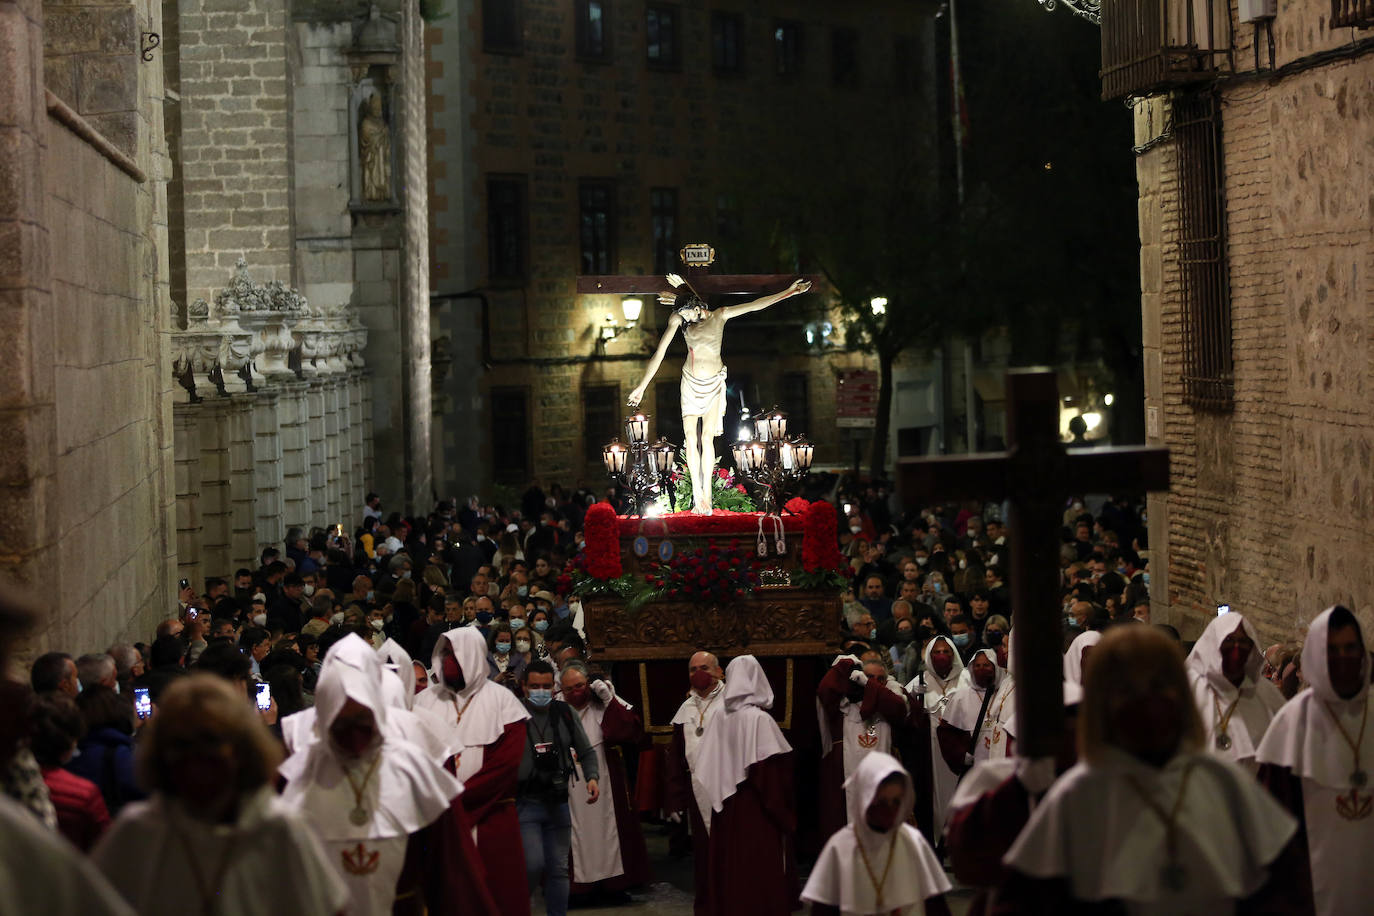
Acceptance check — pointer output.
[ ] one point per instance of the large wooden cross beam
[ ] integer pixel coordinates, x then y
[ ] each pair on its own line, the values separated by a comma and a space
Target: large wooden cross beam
1035, 475
696, 260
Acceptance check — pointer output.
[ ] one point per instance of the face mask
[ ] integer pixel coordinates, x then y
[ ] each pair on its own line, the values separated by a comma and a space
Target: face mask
376, 624
336, 618
540, 696
353, 740
522, 645
1145, 579
922, 561
481, 538
309, 590
855, 529
963, 564
1071, 622
406, 574
961, 639
904, 637
79, 687
453, 675
517, 623
938, 587
484, 617
369, 596
503, 648
702, 680
994, 639
260, 620
522, 590
576, 696
541, 625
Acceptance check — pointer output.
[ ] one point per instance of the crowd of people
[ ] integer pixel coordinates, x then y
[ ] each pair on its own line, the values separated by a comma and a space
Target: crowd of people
406, 718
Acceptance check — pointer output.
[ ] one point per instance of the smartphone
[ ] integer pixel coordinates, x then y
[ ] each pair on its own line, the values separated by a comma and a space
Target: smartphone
192, 613
1223, 609
143, 704
264, 696
185, 584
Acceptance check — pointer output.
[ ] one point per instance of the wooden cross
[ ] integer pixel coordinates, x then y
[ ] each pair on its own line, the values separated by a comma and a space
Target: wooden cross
1035, 475
707, 284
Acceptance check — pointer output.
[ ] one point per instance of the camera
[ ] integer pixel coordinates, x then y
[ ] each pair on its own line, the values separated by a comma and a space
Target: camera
264, 696
143, 703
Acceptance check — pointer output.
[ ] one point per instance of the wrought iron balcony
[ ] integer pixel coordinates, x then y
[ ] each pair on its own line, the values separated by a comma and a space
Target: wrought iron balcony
1358, 14
1151, 45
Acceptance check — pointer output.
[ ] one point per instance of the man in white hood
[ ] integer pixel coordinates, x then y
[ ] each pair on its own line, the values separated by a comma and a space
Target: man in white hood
487, 723
1316, 757
745, 772
384, 810
878, 864
930, 693
1235, 702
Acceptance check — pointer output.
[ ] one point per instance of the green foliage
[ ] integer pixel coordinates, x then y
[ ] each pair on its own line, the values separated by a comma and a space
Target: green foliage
818, 581
725, 492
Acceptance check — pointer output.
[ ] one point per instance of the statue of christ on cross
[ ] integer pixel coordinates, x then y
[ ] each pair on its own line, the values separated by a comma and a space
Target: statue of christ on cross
703, 378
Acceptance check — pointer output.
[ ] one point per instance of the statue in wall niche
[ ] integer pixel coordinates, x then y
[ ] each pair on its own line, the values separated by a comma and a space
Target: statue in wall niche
374, 151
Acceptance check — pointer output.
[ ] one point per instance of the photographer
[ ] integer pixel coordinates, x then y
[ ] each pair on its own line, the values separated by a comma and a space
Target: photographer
553, 735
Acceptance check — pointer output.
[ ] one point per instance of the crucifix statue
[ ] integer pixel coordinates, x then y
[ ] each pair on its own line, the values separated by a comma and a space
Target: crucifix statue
1034, 475
703, 328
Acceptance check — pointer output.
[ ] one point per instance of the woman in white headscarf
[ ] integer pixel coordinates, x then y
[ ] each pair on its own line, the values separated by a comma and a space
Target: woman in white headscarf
1316, 757
381, 806
745, 771
1147, 822
878, 863
1235, 702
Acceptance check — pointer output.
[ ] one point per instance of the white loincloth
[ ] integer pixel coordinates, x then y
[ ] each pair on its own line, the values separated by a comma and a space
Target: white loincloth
705, 398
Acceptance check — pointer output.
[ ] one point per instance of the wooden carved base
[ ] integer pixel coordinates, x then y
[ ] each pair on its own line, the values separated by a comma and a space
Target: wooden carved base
772, 622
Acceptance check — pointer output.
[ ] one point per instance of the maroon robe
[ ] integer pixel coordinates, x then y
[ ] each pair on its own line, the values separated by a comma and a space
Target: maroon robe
620, 725
680, 797
442, 861
979, 835
877, 700
1294, 896
912, 746
753, 869
489, 799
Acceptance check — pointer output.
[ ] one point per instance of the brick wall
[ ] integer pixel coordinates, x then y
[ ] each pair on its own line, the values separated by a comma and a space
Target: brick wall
235, 142
1270, 505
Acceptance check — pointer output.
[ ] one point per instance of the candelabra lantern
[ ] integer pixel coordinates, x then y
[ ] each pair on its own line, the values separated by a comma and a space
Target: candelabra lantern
644, 469
772, 464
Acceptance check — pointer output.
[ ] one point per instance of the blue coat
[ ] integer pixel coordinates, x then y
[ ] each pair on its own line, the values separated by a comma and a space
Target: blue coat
106, 757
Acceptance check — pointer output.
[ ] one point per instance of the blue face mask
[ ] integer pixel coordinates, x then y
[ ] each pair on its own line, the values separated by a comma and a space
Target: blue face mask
522, 590
1145, 579
369, 596
503, 648
541, 625
517, 623
540, 696
961, 639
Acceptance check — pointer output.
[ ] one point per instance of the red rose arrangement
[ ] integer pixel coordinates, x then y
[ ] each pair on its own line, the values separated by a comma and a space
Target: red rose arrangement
822, 563
601, 530
715, 574
797, 506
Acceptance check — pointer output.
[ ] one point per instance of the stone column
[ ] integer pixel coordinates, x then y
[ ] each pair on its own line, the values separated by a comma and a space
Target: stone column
345, 440
186, 436
333, 384
295, 457
216, 524
369, 473
267, 469
242, 485
315, 462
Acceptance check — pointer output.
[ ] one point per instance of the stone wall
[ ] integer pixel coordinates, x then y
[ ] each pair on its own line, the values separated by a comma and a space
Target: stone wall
235, 140
84, 410
1271, 504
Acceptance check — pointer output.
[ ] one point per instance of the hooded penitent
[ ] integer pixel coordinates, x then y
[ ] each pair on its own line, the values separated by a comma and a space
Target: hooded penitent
938, 689
299, 730
364, 800
841, 878
1236, 718
1306, 737
477, 711
1073, 659
966, 704
745, 735
395, 658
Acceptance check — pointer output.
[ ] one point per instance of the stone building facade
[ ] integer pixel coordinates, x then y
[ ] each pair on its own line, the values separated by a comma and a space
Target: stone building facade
1266, 409
558, 127
215, 328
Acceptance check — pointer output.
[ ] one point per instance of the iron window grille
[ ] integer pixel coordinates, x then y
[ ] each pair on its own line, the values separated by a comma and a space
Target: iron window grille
1149, 45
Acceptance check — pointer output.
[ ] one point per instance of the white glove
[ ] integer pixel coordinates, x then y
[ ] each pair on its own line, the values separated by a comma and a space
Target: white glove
674, 817
845, 658
858, 677
602, 690
1036, 774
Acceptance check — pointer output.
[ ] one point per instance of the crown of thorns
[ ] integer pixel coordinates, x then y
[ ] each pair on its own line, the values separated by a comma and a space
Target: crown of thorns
692, 299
